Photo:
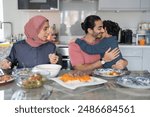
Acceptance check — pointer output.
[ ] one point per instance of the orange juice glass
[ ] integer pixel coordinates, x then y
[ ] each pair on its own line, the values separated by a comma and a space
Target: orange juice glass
142, 42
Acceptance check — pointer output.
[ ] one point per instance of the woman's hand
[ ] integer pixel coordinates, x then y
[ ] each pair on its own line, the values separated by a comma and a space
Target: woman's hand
53, 58
5, 64
111, 54
51, 37
121, 64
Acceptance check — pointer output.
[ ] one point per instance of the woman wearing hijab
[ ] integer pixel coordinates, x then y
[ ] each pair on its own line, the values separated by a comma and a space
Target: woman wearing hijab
34, 50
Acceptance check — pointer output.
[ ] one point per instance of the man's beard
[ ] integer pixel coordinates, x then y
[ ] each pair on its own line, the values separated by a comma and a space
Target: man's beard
99, 36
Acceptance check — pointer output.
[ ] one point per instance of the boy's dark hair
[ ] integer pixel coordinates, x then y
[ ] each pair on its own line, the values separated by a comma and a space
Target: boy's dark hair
89, 22
111, 27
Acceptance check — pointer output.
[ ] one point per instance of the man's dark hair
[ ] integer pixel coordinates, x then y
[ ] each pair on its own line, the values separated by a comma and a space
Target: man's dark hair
89, 22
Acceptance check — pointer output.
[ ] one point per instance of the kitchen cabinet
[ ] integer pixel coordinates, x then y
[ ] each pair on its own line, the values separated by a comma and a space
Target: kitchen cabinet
146, 59
145, 4
38, 4
134, 57
124, 5
138, 57
119, 4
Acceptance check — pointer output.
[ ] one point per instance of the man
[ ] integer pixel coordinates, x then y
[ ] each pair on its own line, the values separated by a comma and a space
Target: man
109, 40
93, 27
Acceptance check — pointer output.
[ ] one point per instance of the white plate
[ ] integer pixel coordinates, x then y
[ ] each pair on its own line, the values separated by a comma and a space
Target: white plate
105, 72
137, 82
74, 85
6, 81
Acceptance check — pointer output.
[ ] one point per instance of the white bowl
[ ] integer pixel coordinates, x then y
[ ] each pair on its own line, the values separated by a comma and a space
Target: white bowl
54, 69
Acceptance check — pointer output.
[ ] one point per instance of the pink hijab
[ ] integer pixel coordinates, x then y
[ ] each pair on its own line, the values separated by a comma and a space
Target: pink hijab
32, 29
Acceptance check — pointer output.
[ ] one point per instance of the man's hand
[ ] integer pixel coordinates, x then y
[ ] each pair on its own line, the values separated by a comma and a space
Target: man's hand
111, 54
121, 64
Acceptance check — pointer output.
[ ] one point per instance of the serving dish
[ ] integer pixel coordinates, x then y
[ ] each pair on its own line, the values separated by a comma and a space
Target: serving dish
76, 84
134, 82
110, 73
6, 79
53, 69
31, 81
21, 72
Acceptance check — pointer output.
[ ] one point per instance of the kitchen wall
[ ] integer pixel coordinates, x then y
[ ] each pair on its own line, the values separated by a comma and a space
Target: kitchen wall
20, 17
69, 17
1, 19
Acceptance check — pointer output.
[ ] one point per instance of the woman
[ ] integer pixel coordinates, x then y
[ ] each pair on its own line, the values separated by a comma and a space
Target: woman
35, 50
111, 30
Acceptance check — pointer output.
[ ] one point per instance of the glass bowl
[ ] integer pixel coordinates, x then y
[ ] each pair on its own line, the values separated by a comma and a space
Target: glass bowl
21, 72
30, 81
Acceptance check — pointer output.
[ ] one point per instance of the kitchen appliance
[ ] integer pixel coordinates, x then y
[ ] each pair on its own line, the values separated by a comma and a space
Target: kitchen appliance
144, 26
38, 4
126, 36
143, 32
64, 52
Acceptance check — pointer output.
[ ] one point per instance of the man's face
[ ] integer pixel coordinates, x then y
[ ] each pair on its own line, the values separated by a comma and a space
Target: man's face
98, 29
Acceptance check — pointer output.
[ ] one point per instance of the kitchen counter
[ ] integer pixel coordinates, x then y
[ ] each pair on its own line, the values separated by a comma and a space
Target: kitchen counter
108, 91
120, 45
134, 46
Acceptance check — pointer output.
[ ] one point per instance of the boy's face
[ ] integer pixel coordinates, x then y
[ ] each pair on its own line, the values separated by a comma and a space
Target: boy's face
104, 33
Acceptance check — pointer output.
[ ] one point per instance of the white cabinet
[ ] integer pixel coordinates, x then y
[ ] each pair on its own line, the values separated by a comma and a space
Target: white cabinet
138, 57
134, 57
146, 59
145, 4
119, 4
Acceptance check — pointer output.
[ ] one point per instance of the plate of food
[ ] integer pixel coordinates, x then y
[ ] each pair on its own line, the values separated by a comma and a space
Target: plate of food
6, 78
73, 82
109, 72
134, 82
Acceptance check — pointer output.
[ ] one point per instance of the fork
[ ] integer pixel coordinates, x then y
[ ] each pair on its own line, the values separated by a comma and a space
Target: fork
48, 93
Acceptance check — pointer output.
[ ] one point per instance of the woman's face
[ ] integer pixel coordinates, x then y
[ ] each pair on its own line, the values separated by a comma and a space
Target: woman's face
44, 33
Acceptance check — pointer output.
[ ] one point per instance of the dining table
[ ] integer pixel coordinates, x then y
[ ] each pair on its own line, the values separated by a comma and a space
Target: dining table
52, 90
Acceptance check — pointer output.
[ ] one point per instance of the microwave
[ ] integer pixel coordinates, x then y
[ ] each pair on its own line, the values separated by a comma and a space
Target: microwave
38, 4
